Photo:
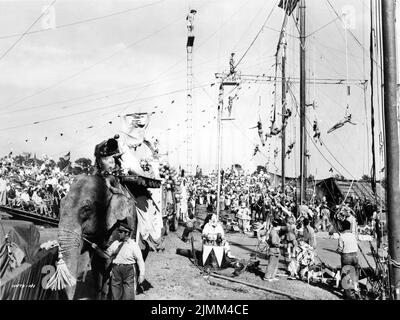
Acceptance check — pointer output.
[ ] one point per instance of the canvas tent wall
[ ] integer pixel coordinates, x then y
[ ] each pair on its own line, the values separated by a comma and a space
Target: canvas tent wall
334, 190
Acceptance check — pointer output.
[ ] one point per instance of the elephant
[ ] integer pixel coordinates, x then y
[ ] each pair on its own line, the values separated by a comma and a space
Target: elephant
90, 213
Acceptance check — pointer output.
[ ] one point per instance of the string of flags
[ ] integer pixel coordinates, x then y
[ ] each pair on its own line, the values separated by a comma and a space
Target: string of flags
156, 109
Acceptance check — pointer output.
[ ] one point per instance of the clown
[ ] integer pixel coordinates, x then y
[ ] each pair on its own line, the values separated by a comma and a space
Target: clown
214, 233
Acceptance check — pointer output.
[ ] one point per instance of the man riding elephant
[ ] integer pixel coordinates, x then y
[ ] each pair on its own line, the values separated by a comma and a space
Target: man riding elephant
91, 212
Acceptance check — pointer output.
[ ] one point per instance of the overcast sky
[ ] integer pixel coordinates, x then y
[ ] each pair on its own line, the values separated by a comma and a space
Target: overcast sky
107, 58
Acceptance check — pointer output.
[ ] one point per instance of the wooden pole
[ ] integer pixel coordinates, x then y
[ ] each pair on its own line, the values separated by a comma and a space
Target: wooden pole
391, 142
303, 138
216, 275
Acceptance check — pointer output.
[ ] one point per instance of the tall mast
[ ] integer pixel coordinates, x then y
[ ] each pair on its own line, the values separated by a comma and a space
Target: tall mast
303, 138
283, 43
371, 48
391, 141
219, 145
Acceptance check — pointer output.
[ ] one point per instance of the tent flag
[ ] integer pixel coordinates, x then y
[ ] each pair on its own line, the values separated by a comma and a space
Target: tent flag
289, 5
65, 161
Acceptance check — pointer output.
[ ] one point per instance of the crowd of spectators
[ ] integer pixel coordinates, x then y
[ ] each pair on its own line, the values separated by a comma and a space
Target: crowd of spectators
253, 199
254, 203
33, 185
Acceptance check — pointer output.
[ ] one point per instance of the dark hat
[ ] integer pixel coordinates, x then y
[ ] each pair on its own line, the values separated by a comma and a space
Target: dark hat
124, 227
107, 148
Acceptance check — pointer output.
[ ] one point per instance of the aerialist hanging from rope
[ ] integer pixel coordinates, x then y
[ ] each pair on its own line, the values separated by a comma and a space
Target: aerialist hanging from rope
276, 152
260, 132
346, 119
317, 133
290, 148
256, 150
274, 131
230, 103
287, 115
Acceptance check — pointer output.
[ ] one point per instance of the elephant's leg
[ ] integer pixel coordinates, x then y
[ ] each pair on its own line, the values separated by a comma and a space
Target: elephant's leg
100, 277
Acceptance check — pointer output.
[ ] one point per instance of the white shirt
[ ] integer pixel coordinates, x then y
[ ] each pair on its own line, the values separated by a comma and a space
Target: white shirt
3, 184
25, 197
36, 198
210, 229
347, 243
52, 181
130, 253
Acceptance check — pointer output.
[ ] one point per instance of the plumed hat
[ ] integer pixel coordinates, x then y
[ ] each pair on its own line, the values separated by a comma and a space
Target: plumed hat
107, 148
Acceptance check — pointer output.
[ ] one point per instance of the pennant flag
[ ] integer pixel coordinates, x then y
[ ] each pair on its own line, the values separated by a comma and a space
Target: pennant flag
289, 5
67, 156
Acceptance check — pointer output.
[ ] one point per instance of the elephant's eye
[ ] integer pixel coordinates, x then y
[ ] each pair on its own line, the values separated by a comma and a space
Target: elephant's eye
85, 212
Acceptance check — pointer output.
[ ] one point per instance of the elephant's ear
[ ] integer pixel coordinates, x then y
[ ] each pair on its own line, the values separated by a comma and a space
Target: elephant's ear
86, 210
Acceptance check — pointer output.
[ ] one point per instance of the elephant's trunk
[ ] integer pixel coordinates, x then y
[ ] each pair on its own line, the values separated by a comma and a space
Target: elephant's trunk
70, 242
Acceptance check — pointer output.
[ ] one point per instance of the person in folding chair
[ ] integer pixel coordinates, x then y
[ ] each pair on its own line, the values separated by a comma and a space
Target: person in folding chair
213, 232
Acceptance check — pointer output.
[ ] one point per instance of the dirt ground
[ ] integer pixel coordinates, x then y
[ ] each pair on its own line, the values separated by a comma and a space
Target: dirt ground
173, 276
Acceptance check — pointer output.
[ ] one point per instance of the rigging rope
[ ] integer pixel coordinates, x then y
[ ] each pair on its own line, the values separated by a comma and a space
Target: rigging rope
22, 35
